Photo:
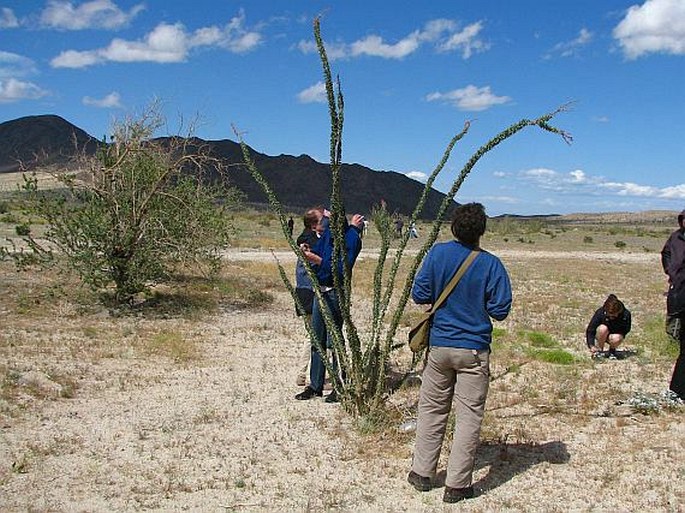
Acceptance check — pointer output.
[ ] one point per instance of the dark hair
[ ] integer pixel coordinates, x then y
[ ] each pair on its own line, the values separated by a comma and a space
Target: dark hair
468, 223
310, 217
613, 306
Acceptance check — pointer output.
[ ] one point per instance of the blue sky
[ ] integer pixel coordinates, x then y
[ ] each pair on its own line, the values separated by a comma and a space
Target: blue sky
412, 73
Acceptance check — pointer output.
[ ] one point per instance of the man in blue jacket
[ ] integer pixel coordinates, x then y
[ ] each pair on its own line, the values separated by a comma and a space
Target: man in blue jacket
321, 257
458, 364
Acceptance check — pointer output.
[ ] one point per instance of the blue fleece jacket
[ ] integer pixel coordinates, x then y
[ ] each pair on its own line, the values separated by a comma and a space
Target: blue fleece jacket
324, 248
483, 292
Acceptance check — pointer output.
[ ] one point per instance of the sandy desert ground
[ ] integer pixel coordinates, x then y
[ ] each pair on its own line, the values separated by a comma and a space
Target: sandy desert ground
98, 414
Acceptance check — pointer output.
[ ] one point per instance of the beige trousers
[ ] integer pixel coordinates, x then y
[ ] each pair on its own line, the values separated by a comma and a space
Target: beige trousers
462, 375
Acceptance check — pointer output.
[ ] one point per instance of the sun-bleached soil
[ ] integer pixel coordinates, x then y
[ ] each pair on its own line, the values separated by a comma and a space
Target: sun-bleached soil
96, 422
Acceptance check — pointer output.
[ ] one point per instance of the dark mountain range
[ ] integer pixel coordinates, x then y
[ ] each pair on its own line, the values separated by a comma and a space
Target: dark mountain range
298, 182
41, 140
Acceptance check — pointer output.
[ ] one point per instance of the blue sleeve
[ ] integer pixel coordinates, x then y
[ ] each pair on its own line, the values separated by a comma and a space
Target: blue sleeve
353, 243
498, 293
324, 249
422, 291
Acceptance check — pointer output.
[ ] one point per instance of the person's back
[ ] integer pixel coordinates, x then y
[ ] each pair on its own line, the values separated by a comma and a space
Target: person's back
483, 292
457, 365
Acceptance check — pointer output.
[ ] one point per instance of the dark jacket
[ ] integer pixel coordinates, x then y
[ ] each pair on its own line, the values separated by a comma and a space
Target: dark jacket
309, 237
303, 285
621, 325
673, 263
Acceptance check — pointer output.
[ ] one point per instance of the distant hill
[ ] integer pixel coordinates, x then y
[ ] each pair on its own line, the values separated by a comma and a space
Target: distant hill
299, 182
40, 140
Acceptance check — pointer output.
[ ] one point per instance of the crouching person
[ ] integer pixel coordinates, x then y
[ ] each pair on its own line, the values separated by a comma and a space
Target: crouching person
609, 326
458, 365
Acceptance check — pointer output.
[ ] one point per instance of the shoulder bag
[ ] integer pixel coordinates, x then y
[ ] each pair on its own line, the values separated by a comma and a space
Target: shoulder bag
420, 332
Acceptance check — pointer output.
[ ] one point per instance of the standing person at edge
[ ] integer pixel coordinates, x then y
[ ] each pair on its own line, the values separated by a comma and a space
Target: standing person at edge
609, 324
291, 226
673, 262
459, 352
324, 267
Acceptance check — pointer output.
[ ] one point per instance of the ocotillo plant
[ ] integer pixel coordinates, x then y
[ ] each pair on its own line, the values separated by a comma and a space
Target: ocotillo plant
364, 362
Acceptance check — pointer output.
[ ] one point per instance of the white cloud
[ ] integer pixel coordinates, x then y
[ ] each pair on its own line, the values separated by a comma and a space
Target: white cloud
13, 90
8, 19
375, 47
470, 98
579, 182
578, 176
444, 34
673, 192
103, 14
657, 26
13, 65
75, 59
313, 94
509, 200
571, 48
334, 51
500, 174
433, 30
111, 101
236, 38
601, 119
419, 176
166, 43
467, 41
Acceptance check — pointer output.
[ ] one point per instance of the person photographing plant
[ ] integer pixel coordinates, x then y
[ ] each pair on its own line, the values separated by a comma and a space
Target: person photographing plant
673, 263
322, 259
304, 289
458, 363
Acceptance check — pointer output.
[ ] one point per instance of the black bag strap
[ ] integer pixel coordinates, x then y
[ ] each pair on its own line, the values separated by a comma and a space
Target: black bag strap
453, 282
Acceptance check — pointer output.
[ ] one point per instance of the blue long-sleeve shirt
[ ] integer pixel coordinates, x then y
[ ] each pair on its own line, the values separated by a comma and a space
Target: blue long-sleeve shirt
483, 292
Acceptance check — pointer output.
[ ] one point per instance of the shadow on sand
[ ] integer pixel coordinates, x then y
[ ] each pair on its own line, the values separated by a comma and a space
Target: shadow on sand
507, 460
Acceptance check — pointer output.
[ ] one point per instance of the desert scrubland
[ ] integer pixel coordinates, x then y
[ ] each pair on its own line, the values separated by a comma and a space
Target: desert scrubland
185, 403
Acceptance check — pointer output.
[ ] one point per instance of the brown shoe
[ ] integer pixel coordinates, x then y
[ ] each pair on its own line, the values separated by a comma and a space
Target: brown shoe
301, 380
422, 484
453, 495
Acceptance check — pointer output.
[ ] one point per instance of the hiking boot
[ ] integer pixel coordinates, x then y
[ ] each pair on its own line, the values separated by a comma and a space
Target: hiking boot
453, 495
307, 394
332, 397
422, 484
301, 380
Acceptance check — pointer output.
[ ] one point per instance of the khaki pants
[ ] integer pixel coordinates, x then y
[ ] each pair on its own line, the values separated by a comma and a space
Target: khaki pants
462, 374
